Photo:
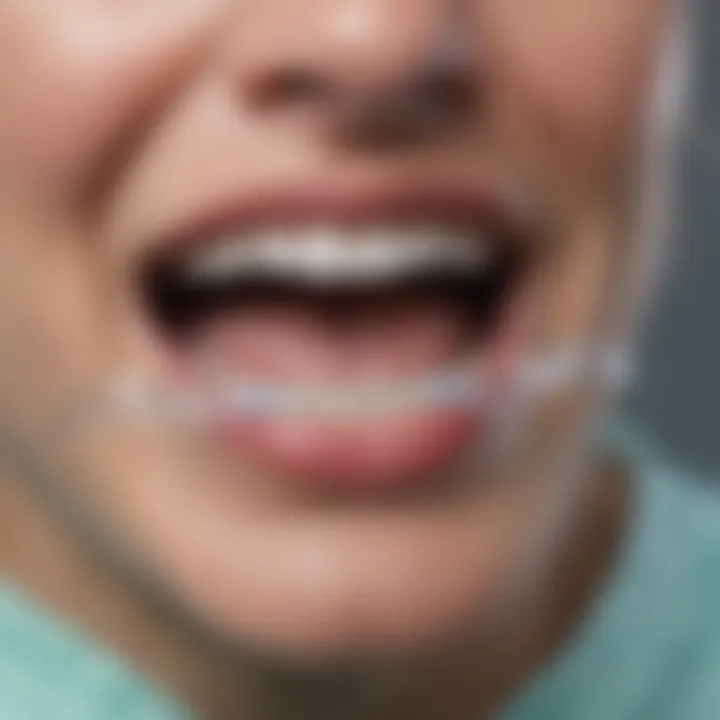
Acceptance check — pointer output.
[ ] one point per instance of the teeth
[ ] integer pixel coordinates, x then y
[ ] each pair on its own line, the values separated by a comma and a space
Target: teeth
327, 255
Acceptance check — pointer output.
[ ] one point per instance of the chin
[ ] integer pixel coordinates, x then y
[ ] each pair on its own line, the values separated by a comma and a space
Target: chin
329, 609
313, 583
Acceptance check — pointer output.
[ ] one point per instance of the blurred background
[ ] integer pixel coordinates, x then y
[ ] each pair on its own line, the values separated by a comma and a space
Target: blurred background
679, 397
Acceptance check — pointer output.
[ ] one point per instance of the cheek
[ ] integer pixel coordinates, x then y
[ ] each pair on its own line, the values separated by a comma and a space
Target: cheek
76, 79
580, 68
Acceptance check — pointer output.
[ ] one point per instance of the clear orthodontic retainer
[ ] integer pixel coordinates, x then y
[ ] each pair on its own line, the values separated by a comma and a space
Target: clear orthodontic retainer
462, 388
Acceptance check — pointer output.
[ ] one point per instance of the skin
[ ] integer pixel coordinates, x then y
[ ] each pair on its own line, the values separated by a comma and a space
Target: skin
119, 117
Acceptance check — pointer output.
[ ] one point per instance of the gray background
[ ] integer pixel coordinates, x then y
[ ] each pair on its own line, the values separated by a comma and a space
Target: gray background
679, 397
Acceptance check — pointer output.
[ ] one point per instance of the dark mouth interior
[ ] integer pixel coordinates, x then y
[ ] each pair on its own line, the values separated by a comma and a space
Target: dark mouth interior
180, 308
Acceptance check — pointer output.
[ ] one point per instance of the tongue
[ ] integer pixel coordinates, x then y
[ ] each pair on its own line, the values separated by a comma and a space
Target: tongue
349, 343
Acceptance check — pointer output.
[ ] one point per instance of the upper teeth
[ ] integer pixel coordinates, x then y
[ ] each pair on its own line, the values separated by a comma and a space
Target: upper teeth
331, 255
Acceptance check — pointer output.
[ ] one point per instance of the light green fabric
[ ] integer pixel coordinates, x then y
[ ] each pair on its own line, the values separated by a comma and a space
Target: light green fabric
49, 672
649, 648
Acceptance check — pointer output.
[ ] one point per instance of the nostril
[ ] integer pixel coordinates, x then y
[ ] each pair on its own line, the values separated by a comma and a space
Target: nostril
389, 99
436, 100
289, 87
448, 91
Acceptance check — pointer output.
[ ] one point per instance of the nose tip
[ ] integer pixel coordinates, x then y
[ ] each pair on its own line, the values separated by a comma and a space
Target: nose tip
382, 70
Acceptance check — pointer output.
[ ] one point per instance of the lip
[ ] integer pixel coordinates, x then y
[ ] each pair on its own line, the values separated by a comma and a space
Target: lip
322, 456
501, 214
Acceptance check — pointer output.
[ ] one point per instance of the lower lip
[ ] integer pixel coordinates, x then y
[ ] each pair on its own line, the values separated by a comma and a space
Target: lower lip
385, 453
365, 454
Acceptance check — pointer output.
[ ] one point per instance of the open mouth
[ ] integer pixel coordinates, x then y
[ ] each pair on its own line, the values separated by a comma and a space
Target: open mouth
340, 296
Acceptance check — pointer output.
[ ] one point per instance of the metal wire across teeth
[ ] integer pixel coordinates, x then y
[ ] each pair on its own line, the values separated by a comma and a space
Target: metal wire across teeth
463, 389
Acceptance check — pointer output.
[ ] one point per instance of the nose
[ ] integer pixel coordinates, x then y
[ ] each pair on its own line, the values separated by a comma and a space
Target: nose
372, 70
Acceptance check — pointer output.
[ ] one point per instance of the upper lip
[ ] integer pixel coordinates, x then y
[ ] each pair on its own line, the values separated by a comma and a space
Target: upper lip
497, 214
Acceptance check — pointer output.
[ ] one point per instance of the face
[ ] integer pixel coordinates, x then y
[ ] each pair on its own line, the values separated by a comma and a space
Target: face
353, 195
